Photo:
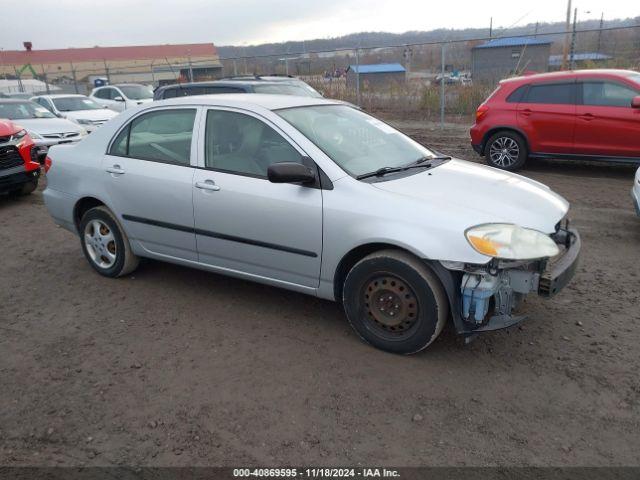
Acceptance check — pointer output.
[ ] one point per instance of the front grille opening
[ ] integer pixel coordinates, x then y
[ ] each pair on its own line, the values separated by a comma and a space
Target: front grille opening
9, 158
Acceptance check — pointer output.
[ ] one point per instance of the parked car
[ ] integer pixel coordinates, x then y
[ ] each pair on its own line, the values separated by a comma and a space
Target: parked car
272, 85
635, 192
119, 97
20, 95
586, 114
77, 108
318, 197
43, 126
19, 160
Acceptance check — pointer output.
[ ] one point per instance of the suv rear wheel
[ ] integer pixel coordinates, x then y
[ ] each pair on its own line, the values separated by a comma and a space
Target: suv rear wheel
394, 302
506, 150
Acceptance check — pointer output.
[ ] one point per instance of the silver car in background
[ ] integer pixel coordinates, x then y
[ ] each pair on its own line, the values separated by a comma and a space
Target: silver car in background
315, 196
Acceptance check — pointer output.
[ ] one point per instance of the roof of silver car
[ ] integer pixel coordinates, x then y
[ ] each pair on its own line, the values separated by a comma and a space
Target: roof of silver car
248, 100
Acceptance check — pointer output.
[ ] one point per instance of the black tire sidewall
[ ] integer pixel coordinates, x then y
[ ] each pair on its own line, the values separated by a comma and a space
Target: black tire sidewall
99, 214
426, 326
522, 156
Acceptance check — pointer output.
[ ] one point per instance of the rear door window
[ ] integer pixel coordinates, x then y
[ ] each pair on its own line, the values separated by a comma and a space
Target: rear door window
161, 136
552, 93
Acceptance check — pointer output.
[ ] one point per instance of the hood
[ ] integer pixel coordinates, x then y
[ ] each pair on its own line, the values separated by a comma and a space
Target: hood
7, 127
488, 194
45, 126
101, 115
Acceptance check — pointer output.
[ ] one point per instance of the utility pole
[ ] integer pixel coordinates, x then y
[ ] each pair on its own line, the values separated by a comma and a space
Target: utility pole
565, 49
491, 28
442, 102
600, 32
536, 32
572, 61
358, 76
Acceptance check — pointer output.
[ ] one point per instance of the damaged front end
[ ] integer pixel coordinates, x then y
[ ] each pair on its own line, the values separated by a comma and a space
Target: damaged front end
487, 295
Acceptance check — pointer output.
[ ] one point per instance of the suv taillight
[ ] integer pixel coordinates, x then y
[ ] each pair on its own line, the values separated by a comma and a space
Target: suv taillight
47, 163
481, 111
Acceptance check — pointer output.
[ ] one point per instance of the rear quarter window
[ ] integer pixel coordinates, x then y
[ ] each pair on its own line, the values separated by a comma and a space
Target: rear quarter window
518, 94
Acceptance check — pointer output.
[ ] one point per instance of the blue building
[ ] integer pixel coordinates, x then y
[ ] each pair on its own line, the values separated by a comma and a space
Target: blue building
504, 57
376, 74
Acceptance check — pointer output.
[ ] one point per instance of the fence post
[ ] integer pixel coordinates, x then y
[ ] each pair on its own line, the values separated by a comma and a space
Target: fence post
357, 77
75, 80
235, 68
442, 100
106, 71
44, 76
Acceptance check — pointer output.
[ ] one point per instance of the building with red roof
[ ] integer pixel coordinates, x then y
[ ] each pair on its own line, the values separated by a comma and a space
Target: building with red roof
146, 64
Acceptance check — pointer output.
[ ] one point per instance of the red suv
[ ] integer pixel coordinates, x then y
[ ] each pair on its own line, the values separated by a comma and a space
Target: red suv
587, 114
19, 160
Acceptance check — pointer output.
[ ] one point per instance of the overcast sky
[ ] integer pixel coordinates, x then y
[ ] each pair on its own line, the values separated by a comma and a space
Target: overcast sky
73, 23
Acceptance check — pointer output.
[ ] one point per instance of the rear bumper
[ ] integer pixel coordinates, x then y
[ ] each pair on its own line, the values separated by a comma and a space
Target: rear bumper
13, 180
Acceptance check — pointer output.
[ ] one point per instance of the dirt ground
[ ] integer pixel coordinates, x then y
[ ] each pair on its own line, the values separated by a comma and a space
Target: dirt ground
173, 366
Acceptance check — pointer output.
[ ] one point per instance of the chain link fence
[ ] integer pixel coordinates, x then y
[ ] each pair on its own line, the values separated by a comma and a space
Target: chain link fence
434, 80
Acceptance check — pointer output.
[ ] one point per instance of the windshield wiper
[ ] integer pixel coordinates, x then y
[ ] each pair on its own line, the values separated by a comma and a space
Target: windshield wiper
420, 163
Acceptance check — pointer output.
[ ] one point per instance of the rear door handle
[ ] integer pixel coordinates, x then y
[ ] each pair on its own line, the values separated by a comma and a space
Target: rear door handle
588, 116
208, 185
116, 170
526, 112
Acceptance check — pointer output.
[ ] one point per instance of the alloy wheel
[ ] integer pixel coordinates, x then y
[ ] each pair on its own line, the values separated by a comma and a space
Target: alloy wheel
100, 244
504, 152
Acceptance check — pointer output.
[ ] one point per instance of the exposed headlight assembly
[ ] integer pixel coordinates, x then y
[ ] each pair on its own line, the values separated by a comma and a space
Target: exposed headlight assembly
510, 242
35, 135
83, 121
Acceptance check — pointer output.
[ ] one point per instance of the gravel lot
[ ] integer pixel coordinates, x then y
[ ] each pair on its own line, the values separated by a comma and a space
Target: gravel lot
173, 366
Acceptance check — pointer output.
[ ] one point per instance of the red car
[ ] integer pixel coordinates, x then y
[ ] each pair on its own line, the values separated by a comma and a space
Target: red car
587, 114
19, 160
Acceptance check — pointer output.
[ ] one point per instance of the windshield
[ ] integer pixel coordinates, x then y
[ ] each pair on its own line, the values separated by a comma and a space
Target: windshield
635, 77
23, 111
136, 92
357, 142
72, 104
302, 90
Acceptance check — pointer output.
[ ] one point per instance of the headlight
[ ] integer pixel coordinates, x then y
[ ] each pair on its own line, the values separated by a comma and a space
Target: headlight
18, 135
82, 121
34, 135
510, 242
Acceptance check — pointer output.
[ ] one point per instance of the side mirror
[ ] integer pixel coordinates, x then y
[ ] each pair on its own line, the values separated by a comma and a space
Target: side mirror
635, 102
290, 172
119, 99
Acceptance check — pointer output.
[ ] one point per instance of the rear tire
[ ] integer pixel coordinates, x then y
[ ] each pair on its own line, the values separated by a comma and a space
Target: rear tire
395, 302
105, 244
506, 150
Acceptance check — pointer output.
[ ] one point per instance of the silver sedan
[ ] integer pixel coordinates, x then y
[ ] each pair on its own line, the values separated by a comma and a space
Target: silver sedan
318, 197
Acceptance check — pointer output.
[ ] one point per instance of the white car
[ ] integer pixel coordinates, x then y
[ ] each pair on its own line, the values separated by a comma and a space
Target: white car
315, 196
77, 108
122, 96
635, 192
43, 126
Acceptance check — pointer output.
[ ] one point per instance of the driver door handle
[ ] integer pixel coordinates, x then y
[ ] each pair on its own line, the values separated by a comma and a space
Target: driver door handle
208, 185
115, 170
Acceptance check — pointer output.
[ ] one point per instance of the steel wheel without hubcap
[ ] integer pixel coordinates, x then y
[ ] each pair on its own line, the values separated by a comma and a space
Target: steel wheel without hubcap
504, 152
100, 243
391, 306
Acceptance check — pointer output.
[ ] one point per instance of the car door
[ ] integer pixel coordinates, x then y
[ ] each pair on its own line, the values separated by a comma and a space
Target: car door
547, 115
150, 180
606, 124
244, 223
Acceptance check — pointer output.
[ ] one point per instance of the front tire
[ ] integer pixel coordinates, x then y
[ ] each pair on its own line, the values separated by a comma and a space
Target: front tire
105, 244
506, 150
395, 302
28, 187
